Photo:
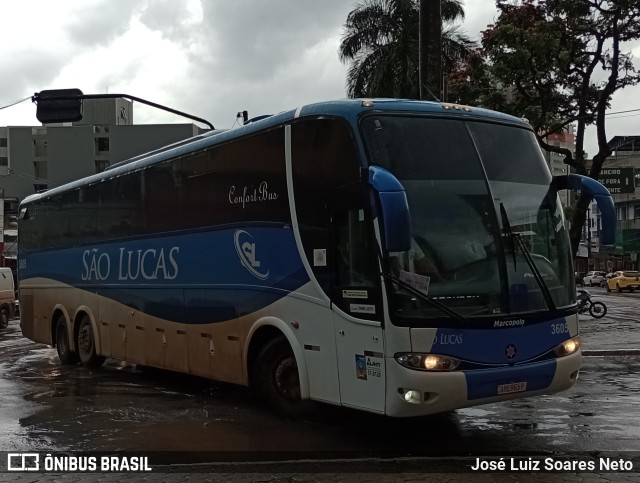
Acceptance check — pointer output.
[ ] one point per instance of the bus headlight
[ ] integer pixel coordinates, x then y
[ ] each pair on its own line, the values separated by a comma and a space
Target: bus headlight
427, 362
568, 347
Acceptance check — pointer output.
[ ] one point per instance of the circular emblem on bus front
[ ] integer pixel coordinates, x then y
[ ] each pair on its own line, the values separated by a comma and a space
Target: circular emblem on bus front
510, 351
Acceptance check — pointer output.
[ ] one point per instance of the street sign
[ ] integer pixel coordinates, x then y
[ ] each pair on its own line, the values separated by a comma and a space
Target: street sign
618, 180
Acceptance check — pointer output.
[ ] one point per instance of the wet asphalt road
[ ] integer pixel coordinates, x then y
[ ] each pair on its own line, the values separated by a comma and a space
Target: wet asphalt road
119, 407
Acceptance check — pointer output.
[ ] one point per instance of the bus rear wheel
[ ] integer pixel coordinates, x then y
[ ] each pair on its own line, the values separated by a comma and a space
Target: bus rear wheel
87, 345
275, 377
65, 354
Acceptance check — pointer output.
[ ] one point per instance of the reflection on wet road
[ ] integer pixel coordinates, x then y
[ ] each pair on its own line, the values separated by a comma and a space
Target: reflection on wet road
49, 407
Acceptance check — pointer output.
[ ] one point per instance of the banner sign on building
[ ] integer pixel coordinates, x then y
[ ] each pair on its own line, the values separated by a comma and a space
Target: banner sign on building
618, 180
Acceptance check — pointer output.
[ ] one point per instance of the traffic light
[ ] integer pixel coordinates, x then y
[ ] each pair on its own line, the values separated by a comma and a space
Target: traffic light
59, 105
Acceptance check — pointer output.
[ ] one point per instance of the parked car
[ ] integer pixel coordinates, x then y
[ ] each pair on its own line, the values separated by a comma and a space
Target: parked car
7, 296
624, 280
593, 278
605, 280
579, 276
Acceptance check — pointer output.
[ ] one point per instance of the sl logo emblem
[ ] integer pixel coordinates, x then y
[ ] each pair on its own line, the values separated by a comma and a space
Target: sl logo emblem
246, 249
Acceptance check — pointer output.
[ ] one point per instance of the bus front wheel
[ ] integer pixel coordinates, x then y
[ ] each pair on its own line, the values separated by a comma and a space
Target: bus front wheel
87, 344
65, 354
276, 378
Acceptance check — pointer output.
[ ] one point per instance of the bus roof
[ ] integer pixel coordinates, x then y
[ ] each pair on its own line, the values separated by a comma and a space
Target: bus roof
349, 109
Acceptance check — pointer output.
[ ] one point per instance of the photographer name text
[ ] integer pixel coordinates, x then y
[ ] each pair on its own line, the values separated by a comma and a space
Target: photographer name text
551, 464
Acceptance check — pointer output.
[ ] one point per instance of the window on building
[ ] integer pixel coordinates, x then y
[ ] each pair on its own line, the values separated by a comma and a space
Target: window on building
3, 142
102, 145
4, 161
623, 212
39, 147
101, 165
40, 169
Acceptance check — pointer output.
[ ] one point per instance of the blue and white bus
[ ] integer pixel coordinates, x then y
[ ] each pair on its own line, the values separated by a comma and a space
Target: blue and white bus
399, 257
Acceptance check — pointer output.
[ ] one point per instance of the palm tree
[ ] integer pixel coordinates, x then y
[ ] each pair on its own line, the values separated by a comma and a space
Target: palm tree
380, 41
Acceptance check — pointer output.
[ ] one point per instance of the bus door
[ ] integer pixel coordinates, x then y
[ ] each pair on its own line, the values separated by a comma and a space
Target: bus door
356, 303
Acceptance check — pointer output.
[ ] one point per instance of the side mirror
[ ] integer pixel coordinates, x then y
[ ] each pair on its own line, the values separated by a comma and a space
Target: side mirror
394, 209
596, 191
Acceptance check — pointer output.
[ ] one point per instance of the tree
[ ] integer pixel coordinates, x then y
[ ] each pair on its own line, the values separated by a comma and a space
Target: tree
471, 82
380, 41
560, 62
430, 49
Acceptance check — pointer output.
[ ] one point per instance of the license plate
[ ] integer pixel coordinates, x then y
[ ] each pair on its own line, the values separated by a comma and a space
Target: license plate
512, 387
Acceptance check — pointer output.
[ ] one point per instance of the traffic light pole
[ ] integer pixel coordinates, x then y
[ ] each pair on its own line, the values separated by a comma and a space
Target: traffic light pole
52, 108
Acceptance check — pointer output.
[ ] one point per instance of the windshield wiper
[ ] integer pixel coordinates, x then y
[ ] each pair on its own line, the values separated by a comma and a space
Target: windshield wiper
527, 256
507, 229
439, 305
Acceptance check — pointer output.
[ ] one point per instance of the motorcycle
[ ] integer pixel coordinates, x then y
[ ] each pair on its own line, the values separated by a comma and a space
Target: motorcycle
597, 310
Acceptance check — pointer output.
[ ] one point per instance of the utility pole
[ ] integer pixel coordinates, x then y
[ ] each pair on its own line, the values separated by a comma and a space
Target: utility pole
430, 47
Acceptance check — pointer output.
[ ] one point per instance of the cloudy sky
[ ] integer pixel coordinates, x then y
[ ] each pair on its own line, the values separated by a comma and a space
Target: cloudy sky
210, 58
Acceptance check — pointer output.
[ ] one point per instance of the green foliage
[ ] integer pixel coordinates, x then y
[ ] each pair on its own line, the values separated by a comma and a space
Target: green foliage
380, 42
533, 55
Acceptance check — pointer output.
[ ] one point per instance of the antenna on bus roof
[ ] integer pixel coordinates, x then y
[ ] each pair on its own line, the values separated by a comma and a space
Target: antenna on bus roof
65, 105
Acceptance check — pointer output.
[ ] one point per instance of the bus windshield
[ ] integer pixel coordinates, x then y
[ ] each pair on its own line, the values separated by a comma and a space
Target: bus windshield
488, 235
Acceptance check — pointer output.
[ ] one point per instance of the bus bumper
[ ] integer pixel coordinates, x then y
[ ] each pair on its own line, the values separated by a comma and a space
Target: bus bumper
418, 393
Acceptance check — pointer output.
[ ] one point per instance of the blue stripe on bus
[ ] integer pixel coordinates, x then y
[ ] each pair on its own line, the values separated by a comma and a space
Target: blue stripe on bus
484, 383
501, 345
198, 277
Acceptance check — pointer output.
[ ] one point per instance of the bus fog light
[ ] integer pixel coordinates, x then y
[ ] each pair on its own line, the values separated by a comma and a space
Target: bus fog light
412, 396
427, 362
568, 347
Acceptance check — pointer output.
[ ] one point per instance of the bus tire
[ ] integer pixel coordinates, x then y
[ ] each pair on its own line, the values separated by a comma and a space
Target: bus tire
276, 379
4, 317
65, 354
86, 344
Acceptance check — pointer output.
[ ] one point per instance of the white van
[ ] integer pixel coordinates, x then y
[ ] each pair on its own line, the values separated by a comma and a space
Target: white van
7, 296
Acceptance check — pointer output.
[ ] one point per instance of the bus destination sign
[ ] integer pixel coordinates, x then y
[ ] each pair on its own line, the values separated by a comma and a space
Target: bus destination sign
618, 180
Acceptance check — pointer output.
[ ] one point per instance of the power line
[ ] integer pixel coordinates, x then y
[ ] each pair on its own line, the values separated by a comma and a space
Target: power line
13, 103
630, 115
621, 112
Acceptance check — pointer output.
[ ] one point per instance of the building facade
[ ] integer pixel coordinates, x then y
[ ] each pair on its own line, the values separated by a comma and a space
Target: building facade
624, 254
